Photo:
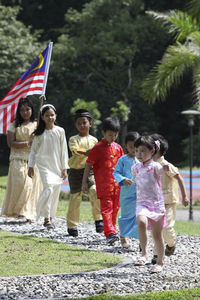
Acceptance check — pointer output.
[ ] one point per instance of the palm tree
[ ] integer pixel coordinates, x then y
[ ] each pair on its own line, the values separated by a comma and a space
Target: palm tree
179, 58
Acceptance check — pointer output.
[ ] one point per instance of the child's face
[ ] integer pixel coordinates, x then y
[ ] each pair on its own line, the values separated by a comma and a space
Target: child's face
49, 117
110, 136
130, 148
143, 153
25, 112
83, 125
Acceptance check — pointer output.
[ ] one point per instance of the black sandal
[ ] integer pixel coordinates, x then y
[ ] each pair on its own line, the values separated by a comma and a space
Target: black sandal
48, 224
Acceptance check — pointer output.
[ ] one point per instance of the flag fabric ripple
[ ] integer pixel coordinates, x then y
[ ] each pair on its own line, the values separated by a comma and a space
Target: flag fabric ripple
30, 83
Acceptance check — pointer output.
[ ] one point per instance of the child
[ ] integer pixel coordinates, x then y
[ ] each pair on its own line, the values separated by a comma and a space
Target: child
122, 174
170, 182
80, 146
49, 153
150, 209
103, 157
21, 193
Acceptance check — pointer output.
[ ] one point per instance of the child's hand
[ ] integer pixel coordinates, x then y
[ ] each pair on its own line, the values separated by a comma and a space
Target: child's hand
64, 174
127, 181
81, 152
86, 153
84, 188
185, 201
30, 172
166, 168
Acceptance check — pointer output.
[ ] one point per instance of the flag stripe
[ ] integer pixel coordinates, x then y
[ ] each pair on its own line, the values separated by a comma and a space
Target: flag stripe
33, 87
28, 80
19, 85
30, 83
4, 119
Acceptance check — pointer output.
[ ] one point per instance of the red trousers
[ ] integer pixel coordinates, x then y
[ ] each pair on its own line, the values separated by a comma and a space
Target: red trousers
109, 210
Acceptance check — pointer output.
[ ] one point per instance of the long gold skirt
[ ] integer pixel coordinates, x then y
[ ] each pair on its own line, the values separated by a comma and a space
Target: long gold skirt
22, 192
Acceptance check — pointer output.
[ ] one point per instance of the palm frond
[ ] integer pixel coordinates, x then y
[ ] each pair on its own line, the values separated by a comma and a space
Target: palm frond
194, 8
196, 82
177, 60
193, 42
179, 23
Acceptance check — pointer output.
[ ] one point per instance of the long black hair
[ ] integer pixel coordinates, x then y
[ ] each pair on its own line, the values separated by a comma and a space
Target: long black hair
26, 102
41, 124
163, 143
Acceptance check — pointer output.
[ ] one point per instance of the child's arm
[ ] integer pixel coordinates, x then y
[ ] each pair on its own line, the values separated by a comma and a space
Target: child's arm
86, 153
127, 181
11, 141
30, 172
166, 168
64, 174
119, 176
32, 158
85, 177
181, 184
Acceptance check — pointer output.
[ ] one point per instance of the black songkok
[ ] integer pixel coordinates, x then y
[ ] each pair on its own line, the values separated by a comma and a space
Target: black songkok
80, 113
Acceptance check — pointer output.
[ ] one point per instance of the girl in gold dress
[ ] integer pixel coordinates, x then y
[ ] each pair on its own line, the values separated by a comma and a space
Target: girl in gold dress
22, 192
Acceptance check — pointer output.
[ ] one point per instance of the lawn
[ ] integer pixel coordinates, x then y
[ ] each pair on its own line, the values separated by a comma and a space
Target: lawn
189, 294
29, 255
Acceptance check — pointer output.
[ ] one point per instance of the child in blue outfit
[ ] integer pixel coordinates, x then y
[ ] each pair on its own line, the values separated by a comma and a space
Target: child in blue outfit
122, 174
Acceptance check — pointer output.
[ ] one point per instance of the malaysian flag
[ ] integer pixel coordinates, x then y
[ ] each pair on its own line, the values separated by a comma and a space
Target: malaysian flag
33, 81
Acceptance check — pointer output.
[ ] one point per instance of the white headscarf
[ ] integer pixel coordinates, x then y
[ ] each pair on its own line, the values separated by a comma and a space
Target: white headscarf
47, 105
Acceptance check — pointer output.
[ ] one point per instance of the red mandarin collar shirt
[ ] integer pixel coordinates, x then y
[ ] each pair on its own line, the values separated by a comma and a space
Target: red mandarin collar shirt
103, 157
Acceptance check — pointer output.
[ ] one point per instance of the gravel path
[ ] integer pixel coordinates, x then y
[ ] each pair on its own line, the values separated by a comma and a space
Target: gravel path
181, 270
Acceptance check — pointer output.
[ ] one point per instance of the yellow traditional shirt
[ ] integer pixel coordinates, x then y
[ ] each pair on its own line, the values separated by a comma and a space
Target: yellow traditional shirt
23, 133
80, 143
169, 183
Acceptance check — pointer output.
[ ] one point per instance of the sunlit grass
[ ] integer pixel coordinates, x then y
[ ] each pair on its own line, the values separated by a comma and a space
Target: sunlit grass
28, 255
187, 228
189, 294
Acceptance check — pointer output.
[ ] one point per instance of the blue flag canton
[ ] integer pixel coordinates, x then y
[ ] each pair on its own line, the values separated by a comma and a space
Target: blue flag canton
38, 65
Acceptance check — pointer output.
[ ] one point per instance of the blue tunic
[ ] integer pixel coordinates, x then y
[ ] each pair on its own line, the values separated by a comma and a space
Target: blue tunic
127, 220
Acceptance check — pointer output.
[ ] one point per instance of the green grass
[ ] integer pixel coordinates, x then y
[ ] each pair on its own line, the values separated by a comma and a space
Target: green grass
189, 294
3, 181
189, 228
195, 206
28, 255
85, 210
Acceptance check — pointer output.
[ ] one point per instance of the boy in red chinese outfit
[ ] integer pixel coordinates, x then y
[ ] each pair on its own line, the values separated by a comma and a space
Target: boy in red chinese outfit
103, 158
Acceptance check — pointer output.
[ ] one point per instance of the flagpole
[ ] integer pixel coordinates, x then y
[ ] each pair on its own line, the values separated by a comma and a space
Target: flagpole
42, 97
47, 68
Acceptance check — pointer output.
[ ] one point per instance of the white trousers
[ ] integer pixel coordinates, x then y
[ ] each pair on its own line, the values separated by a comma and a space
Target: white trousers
48, 201
169, 234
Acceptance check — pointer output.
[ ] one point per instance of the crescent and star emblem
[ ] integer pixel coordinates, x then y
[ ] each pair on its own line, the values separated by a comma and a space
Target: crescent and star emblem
41, 61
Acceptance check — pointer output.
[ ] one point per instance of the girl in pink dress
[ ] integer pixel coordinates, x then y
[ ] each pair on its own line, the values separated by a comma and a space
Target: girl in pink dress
150, 208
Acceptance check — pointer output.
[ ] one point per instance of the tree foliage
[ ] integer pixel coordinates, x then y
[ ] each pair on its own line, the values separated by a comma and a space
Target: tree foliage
103, 50
18, 47
182, 57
